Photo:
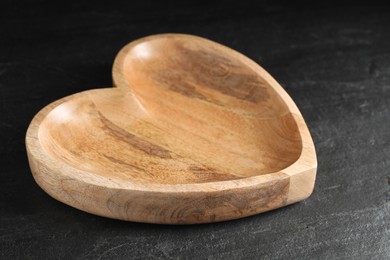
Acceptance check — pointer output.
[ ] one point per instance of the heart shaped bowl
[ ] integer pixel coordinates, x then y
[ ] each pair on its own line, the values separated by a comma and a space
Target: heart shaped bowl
193, 132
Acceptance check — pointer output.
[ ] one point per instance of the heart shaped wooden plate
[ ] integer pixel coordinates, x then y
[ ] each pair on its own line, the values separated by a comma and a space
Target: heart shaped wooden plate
194, 132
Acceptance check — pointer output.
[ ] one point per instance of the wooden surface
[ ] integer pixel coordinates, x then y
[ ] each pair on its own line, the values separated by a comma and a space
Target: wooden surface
194, 132
334, 62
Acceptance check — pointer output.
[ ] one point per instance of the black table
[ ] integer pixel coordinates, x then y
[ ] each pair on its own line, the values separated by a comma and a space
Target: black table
333, 60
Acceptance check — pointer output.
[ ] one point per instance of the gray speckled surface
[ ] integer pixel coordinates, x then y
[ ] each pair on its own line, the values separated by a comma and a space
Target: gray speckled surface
334, 61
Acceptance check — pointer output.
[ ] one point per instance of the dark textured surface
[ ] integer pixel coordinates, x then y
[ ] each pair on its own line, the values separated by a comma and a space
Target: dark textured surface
333, 61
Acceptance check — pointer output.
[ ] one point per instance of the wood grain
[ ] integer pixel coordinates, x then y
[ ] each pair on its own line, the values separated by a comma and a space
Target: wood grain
194, 132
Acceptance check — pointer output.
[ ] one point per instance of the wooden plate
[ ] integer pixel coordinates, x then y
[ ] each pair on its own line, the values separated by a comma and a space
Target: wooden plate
194, 132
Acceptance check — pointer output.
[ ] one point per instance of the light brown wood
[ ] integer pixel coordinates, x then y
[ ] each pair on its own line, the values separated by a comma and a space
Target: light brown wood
194, 132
